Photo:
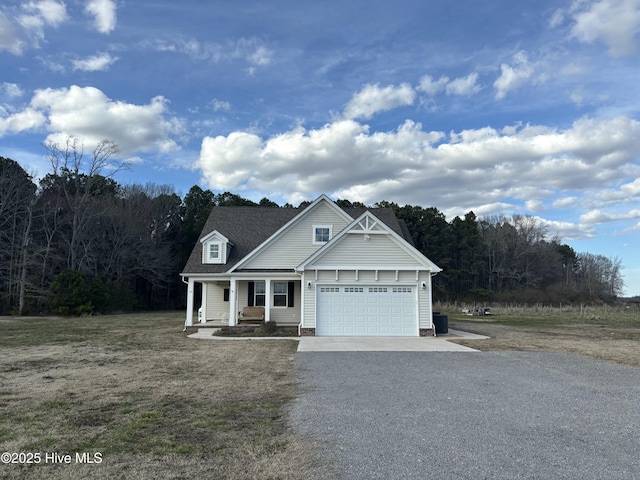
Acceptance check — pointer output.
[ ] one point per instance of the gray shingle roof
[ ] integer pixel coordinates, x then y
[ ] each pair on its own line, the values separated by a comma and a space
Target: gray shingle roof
248, 227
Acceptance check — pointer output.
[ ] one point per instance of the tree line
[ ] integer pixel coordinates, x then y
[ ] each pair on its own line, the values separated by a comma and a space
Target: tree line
78, 242
508, 259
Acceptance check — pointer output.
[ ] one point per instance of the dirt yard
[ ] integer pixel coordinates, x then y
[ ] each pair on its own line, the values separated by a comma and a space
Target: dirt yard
613, 340
155, 404
139, 399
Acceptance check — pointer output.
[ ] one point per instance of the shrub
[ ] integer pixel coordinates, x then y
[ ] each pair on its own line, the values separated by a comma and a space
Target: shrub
74, 294
270, 327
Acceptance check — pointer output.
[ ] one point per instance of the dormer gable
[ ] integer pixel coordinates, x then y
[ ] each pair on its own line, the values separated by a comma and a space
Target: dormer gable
215, 248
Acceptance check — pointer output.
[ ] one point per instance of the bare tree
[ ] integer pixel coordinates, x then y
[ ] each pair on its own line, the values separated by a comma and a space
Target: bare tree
17, 196
599, 277
79, 180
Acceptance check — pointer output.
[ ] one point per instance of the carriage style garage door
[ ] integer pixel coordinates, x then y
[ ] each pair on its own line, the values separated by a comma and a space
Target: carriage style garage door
366, 310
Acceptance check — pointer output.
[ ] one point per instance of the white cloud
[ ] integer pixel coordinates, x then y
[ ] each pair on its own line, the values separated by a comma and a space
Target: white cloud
27, 119
44, 12
89, 114
11, 90
218, 105
632, 188
103, 13
262, 56
565, 202
557, 18
535, 206
616, 23
432, 87
373, 99
483, 169
458, 86
597, 216
8, 38
594, 216
463, 86
94, 63
567, 231
513, 77
37, 16
251, 50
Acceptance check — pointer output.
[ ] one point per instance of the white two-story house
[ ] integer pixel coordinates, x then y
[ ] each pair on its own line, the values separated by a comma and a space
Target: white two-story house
324, 269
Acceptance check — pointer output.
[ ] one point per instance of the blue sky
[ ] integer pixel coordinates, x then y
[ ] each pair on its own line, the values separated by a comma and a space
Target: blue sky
499, 107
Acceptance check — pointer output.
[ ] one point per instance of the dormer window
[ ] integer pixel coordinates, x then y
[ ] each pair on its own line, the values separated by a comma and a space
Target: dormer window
215, 248
214, 252
322, 234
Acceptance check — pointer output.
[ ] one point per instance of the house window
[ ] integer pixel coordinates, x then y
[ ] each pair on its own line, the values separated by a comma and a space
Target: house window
279, 294
213, 252
283, 294
321, 234
259, 294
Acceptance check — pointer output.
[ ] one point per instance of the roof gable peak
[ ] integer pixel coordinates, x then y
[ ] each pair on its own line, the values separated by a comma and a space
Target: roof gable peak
212, 235
321, 200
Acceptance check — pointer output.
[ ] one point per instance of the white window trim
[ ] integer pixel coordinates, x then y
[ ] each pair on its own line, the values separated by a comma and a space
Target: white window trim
313, 233
206, 253
285, 294
263, 284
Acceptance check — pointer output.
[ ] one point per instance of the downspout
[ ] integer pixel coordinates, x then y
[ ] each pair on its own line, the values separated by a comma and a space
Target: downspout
185, 319
301, 303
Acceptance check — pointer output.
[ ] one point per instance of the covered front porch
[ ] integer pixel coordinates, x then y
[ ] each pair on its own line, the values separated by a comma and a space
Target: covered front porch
230, 300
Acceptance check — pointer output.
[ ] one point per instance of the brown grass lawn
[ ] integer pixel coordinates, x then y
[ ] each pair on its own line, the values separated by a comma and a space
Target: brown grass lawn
151, 402
611, 335
155, 404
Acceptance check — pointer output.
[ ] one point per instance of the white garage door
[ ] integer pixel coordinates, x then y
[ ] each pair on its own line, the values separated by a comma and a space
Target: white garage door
366, 310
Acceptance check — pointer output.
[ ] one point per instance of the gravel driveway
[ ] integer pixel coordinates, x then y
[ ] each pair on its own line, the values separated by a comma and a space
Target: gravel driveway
396, 415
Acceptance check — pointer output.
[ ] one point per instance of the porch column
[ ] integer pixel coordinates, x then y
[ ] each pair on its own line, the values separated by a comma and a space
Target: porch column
303, 288
204, 303
233, 302
190, 287
267, 300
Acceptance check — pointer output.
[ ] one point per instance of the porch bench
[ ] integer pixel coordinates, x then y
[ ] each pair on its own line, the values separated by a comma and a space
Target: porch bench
252, 315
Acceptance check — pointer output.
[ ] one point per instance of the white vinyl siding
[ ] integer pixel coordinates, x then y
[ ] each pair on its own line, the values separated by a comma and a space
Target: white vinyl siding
353, 250
295, 245
283, 316
216, 307
424, 301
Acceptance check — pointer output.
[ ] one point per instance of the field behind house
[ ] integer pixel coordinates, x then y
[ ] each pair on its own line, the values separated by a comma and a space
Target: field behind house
151, 402
602, 333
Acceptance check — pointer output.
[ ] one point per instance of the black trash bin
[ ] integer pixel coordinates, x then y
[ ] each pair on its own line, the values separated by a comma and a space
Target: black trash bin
440, 323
